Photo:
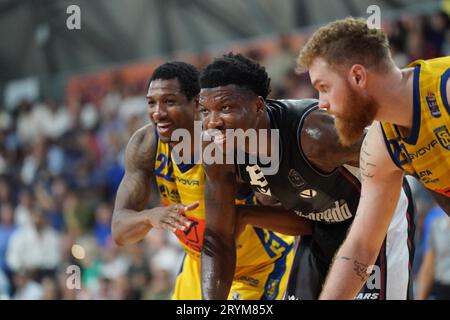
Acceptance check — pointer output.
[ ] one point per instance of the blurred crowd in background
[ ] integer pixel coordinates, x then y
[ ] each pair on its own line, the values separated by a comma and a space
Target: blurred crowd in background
60, 167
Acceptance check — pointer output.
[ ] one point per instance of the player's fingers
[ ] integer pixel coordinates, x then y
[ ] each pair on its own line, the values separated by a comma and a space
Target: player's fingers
191, 206
177, 214
174, 221
168, 226
182, 219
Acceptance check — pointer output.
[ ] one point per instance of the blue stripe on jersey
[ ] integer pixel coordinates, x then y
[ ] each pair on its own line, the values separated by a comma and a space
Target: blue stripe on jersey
396, 147
182, 264
272, 237
444, 97
185, 167
272, 287
414, 134
247, 197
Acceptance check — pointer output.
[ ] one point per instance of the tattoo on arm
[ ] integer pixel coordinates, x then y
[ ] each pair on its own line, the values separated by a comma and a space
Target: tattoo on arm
361, 270
134, 190
365, 165
137, 191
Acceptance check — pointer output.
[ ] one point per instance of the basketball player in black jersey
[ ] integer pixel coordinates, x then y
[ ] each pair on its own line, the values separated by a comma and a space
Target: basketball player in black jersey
316, 176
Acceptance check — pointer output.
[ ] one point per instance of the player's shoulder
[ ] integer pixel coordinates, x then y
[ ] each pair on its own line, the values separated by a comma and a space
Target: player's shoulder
144, 134
375, 150
297, 105
141, 147
318, 133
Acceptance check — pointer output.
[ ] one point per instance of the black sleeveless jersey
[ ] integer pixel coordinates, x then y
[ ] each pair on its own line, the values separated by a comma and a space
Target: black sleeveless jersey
322, 197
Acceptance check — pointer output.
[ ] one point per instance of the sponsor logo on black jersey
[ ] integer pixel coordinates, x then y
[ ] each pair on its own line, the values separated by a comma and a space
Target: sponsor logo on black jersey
258, 179
337, 212
308, 193
368, 296
295, 178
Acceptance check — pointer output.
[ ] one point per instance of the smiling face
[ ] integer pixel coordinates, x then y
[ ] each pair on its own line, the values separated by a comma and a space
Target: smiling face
169, 108
229, 107
353, 109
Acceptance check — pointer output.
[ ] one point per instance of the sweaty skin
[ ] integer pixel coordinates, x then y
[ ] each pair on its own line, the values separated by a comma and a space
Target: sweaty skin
321, 146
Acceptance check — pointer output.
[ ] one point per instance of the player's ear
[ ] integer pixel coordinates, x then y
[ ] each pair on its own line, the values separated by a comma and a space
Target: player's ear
195, 101
259, 104
358, 76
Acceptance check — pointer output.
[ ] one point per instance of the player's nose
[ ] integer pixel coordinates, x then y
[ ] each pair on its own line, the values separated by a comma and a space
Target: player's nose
214, 121
324, 105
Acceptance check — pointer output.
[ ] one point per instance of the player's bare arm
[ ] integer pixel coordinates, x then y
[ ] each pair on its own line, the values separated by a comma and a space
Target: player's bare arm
219, 247
381, 186
275, 218
269, 214
131, 221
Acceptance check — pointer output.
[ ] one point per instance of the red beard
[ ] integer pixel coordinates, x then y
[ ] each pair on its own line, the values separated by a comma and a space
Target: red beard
359, 113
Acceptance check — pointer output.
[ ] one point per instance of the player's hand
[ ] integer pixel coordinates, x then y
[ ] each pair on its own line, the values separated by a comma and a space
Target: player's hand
171, 217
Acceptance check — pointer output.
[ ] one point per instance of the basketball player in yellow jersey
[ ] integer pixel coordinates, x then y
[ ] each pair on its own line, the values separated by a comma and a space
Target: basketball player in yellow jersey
264, 257
351, 67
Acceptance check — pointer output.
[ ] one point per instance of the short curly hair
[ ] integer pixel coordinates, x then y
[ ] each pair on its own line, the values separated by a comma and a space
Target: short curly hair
187, 75
347, 41
238, 70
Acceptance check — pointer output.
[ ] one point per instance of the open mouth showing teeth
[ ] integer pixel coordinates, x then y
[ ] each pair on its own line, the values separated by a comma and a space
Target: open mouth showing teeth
163, 127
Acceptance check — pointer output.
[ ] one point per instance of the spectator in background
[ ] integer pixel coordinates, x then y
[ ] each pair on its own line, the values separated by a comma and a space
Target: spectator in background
27, 128
25, 287
52, 121
50, 289
5, 190
34, 165
139, 272
102, 227
6, 230
283, 62
4, 286
160, 286
434, 276
35, 247
22, 212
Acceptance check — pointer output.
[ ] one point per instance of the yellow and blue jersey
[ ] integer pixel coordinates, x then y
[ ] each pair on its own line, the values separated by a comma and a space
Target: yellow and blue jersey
425, 153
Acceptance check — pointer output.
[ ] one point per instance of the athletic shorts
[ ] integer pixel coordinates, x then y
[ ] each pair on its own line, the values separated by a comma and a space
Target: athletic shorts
257, 282
391, 277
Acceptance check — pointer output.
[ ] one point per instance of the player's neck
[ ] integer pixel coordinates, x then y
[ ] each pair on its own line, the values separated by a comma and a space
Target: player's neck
394, 95
264, 123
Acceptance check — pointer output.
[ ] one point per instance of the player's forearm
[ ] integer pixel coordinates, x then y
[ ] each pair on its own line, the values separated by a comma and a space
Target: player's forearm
349, 271
218, 265
275, 218
129, 226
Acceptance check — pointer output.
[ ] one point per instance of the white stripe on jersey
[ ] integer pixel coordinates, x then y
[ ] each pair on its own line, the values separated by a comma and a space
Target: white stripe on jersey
397, 252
